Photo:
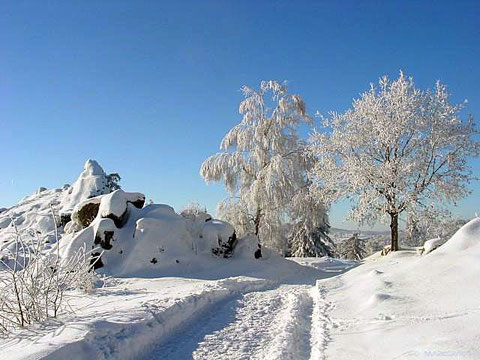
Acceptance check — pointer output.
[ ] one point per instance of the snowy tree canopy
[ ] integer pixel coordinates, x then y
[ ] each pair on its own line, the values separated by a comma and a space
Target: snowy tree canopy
397, 149
263, 164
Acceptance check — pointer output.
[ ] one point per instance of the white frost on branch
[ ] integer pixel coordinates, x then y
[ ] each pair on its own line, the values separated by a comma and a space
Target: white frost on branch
263, 164
397, 149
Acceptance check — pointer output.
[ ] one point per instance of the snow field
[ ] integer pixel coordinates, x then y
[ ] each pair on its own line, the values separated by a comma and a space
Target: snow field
408, 306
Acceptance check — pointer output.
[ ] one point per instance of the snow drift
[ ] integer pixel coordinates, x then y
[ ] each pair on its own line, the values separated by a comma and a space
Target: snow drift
467, 238
408, 306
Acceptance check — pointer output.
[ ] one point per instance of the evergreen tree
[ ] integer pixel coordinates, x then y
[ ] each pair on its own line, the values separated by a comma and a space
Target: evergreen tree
113, 180
353, 248
305, 243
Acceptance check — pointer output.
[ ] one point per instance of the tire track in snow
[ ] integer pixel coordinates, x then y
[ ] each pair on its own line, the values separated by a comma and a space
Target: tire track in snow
270, 324
249, 333
291, 335
321, 323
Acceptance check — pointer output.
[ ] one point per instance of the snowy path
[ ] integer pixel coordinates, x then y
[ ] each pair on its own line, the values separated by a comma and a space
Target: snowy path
288, 322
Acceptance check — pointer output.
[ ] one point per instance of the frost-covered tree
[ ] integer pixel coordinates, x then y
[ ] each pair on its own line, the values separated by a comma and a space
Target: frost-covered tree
353, 248
263, 164
397, 149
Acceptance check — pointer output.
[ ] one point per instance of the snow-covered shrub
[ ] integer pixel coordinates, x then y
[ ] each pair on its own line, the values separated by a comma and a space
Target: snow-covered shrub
219, 237
34, 281
248, 247
195, 212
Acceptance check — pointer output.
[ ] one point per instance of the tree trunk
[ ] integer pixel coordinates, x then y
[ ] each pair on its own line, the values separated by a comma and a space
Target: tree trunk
394, 231
257, 221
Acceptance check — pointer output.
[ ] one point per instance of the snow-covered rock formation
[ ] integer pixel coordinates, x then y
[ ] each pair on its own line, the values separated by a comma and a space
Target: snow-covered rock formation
430, 245
131, 238
33, 214
91, 182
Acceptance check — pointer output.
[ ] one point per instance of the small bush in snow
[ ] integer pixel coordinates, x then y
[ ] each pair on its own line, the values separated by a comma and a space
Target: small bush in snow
33, 283
194, 211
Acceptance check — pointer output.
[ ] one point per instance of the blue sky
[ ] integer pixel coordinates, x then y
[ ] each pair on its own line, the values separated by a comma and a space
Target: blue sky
149, 88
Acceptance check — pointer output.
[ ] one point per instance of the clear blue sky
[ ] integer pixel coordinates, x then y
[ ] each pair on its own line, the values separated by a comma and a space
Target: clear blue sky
149, 88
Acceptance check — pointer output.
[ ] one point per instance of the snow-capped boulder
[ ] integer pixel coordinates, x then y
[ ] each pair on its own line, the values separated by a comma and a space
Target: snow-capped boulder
86, 211
248, 247
114, 205
104, 233
219, 237
149, 240
431, 245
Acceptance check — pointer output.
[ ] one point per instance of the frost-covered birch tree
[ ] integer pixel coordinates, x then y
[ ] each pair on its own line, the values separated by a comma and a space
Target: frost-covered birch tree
397, 149
263, 164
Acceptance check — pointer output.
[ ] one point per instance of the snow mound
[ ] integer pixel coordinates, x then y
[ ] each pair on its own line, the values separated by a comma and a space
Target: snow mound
114, 205
466, 238
147, 241
431, 245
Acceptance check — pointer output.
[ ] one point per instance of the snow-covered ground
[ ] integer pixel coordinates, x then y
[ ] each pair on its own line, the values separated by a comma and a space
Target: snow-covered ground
404, 306
227, 308
400, 306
